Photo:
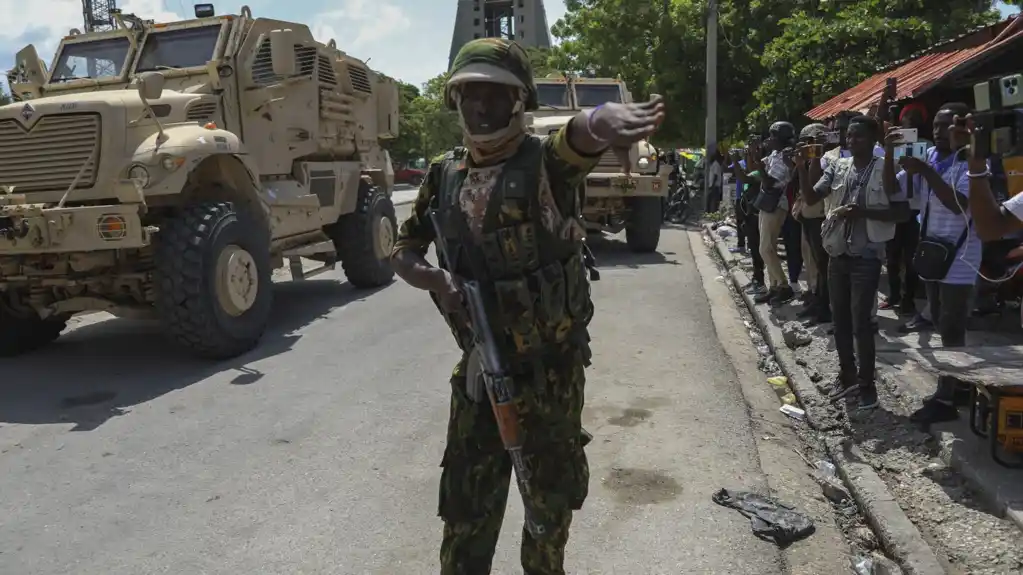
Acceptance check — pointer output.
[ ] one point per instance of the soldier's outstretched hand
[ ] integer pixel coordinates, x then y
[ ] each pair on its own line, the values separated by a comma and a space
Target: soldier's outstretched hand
625, 124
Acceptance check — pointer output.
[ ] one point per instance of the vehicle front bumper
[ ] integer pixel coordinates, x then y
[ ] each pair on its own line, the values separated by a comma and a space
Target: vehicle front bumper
35, 229
628, 185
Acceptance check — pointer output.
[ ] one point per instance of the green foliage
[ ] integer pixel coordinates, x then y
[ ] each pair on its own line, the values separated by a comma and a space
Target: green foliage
427, 127
776, 58
540, 59
869, 34
408, 144
5, 98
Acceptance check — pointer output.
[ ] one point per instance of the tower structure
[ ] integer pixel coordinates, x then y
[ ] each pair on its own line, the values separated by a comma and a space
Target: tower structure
98, 18
524, 21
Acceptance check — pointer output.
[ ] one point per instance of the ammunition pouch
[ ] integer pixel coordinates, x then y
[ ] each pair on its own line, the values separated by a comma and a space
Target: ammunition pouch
536, 285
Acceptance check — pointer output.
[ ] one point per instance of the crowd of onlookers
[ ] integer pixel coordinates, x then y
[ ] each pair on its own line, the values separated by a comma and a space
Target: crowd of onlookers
850, 198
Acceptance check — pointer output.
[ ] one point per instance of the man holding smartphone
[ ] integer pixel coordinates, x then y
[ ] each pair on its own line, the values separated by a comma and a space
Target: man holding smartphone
863, 202
776, 172
902, 277
817, 309
941, 178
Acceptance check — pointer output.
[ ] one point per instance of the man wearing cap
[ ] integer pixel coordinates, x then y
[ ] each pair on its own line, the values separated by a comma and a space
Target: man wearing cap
818, 308
507, 207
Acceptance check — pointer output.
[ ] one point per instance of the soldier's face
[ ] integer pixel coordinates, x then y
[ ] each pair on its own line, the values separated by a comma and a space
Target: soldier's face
486, 107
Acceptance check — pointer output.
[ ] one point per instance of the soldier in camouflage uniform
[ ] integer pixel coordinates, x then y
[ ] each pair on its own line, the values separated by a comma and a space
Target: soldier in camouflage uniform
507, 206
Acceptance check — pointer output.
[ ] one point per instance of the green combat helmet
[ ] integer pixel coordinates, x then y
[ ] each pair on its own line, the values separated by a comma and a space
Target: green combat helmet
492, 60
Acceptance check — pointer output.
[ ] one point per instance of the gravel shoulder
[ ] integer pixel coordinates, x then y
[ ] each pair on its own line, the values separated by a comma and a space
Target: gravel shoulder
962, 524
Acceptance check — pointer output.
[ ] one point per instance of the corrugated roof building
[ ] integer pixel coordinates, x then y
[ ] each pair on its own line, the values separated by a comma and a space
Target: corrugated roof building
946, 62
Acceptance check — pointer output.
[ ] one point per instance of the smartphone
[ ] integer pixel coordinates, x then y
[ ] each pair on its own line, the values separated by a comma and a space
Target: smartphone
914, 150
891, 86
832, 137
909, 136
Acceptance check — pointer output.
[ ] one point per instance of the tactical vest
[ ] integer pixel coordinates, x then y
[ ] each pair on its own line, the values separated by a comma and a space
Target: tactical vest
535, 284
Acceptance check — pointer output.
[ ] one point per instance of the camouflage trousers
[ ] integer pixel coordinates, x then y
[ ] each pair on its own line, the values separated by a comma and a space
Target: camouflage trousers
477, 475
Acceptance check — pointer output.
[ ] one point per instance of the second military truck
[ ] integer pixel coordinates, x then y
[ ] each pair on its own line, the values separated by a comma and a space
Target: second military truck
167, 169
612, 199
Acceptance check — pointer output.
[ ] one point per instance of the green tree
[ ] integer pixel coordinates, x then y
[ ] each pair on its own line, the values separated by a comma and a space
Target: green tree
5, 98
428, 127
408, 144
540, 60
868, 34
776, 58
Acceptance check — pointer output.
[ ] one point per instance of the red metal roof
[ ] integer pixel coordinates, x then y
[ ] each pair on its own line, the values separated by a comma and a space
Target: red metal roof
915, 77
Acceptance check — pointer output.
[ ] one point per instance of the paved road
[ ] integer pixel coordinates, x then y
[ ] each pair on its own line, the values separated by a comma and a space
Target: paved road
319, 452
404, 194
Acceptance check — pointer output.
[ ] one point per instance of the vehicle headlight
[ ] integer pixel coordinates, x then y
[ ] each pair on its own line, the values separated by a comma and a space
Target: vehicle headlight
644, 163
139, 174
171, 163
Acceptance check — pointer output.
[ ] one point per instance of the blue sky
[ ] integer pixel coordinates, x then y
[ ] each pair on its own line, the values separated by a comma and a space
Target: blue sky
407, 39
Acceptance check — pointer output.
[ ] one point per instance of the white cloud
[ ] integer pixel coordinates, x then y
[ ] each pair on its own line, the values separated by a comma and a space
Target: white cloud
363, 22
51, 20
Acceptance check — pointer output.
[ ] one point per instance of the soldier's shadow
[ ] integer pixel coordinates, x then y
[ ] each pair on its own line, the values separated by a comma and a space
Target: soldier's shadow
614, 252
98, 371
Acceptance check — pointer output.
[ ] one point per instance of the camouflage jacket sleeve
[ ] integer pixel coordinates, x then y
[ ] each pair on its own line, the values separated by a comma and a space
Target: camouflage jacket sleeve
417, 233
566, 170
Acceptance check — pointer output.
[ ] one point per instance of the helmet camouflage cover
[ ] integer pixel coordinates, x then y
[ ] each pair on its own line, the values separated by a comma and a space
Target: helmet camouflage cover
493, 60
812, 131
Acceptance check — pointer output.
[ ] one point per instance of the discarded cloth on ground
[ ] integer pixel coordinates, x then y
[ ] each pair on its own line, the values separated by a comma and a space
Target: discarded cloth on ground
771, 520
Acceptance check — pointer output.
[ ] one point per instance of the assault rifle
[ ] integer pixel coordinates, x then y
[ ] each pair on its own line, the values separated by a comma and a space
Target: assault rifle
499, 385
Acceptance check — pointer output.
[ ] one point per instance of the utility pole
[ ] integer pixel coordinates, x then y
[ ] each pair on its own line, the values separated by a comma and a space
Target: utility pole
711, 134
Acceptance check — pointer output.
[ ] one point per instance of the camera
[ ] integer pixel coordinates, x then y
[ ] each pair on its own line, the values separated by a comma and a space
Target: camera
998, 93
998, 126
814, 151
998, 118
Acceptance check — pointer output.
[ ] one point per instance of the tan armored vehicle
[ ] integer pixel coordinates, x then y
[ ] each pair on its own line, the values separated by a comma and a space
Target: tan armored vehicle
168, 169
612, 200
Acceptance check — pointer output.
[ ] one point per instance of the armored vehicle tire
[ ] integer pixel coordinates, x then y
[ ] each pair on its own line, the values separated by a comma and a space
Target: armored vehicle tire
20, 334
364, 239
213, 279
643, 230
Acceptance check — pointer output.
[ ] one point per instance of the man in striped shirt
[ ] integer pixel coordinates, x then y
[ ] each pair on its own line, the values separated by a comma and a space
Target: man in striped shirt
943, 184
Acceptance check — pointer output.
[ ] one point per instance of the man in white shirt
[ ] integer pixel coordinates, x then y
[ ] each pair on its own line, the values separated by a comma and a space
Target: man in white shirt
714, 178
777, 172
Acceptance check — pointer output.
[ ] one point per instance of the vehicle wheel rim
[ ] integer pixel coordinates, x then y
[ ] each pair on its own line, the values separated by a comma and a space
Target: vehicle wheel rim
237, 280
385, 238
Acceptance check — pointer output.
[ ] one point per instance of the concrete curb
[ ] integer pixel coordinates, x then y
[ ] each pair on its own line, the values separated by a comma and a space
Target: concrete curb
900, 538
968, 455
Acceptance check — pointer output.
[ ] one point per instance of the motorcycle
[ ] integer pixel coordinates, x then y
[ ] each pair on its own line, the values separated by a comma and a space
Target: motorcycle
679, 201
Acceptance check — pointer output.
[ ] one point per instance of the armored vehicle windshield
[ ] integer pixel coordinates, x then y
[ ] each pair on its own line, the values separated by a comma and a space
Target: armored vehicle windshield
93, 59
593, 95
552, 95
179, 48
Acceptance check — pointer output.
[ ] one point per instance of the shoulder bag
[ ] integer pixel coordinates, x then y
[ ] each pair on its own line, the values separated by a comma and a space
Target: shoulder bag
934, 256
